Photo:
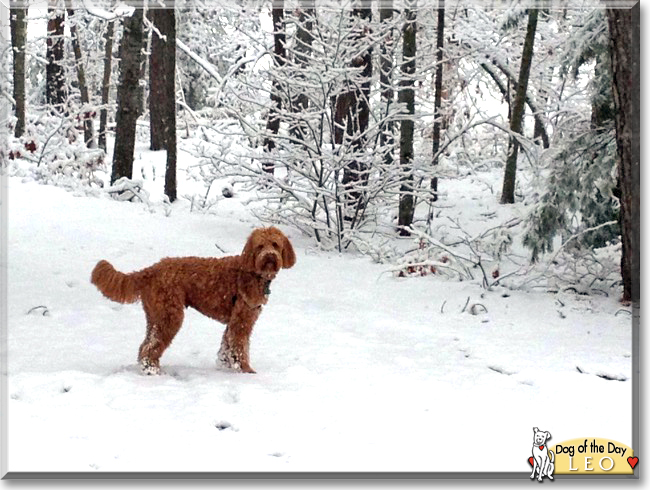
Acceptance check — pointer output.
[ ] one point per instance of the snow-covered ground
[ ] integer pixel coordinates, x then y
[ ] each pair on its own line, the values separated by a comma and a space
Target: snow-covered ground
357, 370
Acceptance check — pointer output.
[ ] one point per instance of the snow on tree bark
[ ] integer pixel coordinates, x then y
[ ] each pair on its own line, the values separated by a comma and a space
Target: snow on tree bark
86, 115
279, 60
386, 139
106, 83
358, 112
55, 86
407, 97
438, 94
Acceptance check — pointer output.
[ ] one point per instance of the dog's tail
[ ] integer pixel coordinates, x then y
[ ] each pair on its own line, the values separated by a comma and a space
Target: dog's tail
115, 285
551, 455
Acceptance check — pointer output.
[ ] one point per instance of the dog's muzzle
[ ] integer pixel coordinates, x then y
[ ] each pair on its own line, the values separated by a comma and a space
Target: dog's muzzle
269, 263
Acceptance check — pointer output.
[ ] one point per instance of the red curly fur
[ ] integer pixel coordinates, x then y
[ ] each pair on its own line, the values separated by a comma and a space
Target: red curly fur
231, 290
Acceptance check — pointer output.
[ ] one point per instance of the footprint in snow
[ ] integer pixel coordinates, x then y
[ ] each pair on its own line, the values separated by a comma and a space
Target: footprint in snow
223, 425
501, 370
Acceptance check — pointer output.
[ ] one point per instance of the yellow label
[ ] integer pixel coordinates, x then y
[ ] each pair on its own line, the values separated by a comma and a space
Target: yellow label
593, 456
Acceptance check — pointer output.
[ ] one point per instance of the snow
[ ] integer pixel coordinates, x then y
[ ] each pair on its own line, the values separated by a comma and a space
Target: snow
357, 370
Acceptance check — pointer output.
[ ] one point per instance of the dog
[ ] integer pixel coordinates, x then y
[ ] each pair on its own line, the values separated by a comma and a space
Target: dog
231, 290
544, 459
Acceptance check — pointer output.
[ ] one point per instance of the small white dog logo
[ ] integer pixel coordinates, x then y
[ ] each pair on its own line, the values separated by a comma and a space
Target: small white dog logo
544, 459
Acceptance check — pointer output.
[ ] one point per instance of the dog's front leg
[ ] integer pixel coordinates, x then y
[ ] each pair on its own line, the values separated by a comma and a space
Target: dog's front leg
543, 461
535, 467
235, 344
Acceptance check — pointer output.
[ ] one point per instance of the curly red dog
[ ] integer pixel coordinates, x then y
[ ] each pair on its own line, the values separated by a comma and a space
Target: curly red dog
231, 290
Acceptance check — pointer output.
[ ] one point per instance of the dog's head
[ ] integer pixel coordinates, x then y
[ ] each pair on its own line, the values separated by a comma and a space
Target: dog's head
540, 437
267, 251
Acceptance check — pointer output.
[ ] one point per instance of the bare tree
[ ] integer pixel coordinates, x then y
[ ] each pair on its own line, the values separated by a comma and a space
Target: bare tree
89, 137
302, 52
129, 105
162, 93
56, 91
106, 83
517, 113
386, 139
407, 97
279, 60
357, 102
18, 37
437, 104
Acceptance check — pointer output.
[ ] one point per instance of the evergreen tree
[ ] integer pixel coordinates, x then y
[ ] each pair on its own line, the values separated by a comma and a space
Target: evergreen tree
579, 193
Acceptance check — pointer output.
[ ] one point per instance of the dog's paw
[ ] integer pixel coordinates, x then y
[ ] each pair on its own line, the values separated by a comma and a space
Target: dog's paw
247, 369
149, 368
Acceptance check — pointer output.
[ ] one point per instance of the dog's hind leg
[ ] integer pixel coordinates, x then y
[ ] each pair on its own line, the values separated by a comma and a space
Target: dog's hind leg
162, 327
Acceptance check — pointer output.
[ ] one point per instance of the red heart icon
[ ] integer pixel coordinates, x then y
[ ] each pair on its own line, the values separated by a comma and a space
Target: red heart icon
532, 461
541, 447
632, 461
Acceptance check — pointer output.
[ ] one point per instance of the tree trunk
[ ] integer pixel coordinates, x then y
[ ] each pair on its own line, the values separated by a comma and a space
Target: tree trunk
624, 48
304, 39
56, 92
540, 129
386, 139
279, 59
407, 97
161, 78
129, 105
437, 104
106, 83
517, 116
18, 37
162, 93
358, 113
86, 113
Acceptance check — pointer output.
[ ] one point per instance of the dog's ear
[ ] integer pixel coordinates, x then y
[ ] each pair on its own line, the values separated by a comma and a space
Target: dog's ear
535, 429
288, 255
548, 435
248, 254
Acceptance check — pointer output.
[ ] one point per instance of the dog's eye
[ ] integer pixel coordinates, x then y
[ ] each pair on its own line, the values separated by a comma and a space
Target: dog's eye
275, 245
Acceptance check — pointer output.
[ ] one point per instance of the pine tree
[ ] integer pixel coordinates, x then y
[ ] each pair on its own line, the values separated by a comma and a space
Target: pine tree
582, 180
